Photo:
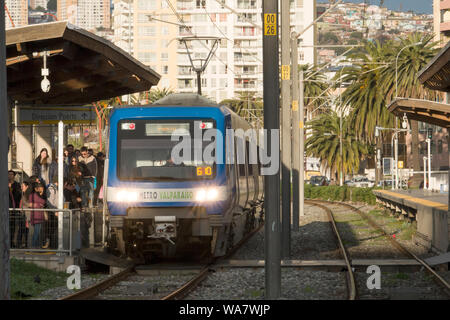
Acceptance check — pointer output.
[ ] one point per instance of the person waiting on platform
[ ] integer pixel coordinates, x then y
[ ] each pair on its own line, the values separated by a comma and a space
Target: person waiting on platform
100, 172
15, 217
43, 168
76, 172
87, 187
25, 239
37, 200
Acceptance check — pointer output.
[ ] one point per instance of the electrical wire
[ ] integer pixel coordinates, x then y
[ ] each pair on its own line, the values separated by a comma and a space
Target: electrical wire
217, 27
190, 30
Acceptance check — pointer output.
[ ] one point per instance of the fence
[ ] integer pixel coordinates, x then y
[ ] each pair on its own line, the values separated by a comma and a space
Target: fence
54, 230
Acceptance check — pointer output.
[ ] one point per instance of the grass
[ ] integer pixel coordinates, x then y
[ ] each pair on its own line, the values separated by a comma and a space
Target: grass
29, 280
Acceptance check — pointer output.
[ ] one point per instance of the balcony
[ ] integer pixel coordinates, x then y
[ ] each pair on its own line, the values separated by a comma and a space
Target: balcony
445, 26
444, 5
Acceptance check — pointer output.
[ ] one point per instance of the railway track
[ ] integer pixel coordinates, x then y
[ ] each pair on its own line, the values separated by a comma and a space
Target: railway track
128, 274
436, 277
350, 276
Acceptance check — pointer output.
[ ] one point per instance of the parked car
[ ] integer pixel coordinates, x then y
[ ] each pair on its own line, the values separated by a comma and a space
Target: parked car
361, 182
319, 181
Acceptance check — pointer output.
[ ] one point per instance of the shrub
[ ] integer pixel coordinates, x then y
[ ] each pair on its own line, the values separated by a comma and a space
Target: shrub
338, 193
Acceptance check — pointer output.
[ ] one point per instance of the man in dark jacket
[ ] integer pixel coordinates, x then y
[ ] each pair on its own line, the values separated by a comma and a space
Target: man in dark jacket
15, 220
87, 187
100, 172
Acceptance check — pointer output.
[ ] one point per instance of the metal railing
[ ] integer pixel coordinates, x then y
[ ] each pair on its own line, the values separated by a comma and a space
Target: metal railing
60, 231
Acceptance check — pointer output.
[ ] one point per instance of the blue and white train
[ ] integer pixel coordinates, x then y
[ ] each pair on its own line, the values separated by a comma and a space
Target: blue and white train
193, 208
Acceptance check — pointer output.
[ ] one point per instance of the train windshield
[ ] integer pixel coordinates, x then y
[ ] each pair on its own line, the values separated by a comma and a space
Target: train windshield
145, 150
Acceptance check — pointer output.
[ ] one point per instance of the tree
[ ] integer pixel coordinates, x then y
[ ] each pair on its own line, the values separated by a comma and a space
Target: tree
51, 5
315, 85
323, 142
155, 94
248, 106
410, 61
363, 98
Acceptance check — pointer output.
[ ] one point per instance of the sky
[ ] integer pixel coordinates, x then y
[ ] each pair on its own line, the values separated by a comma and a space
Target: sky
418, 6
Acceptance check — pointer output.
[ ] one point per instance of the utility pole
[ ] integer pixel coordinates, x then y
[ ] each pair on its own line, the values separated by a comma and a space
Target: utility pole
4, 192
286, 130
271, 122
295, 133
429, 162
302, 145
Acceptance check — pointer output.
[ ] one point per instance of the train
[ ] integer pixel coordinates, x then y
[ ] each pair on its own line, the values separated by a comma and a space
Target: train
162, 207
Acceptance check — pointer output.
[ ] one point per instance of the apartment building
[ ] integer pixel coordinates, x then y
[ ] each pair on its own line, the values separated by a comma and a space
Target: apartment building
18, 13
236, 65
86, 14
150, 41
38, 3
441, 15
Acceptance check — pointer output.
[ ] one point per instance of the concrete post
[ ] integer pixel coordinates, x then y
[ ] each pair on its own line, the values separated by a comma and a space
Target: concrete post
295, 133
429, 163
4, 192
286, 130
60, 183
424, 173
301, 115
271, 122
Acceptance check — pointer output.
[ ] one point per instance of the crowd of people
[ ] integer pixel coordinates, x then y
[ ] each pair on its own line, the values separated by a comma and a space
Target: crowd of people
83, 186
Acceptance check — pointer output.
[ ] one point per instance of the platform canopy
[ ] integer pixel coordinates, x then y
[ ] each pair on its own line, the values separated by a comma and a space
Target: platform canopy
422, 110
436, 74
83, 67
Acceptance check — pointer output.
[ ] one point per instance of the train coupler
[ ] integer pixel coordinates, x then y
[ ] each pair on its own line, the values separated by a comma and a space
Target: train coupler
165, 228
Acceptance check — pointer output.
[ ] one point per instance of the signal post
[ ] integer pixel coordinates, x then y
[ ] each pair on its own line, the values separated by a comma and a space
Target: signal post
271, 122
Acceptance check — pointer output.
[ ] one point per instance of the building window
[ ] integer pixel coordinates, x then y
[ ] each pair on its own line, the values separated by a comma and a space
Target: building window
164, 56
301, 55
165, 69
147, 45
147, 4
439, 146
147, 57
147, 31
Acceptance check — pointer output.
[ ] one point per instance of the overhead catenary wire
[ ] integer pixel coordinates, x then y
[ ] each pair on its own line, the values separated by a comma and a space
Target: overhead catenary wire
226, 37
180, 18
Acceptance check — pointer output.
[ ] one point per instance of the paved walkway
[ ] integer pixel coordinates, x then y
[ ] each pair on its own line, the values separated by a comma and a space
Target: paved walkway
425, 194
416, 197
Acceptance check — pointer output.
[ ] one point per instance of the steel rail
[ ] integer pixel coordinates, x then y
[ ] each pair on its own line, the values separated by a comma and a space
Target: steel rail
97, 288
195, 281
441, 281
178, 294
351, 283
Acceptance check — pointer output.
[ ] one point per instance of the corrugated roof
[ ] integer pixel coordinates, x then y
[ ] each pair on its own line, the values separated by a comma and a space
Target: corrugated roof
83, 66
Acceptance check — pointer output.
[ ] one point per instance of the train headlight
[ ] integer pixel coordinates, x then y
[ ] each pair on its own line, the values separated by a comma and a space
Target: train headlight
210, 194
213, 193
127, 196
200, 195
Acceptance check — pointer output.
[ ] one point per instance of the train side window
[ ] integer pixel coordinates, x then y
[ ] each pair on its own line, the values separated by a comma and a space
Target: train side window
241, 165
258, 160
247, 159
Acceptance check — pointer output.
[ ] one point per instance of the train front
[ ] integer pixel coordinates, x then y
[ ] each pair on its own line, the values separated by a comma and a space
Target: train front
166, 193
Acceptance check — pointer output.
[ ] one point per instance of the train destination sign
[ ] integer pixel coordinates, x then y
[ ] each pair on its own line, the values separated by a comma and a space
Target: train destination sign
52, 115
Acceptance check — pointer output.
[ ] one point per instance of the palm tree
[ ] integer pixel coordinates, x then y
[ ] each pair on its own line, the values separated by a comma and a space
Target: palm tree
411, 60
363, 97
155, 94
247, 105
313, 87
323, 142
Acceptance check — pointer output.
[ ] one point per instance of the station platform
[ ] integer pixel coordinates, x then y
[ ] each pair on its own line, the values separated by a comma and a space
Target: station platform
429, 209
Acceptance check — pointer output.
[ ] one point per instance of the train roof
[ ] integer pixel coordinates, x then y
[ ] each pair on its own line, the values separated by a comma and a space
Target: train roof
185, 99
